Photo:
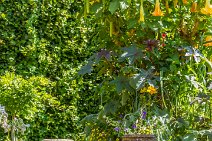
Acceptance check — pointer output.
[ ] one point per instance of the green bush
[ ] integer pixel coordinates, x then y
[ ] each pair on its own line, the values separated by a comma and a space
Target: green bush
47, 39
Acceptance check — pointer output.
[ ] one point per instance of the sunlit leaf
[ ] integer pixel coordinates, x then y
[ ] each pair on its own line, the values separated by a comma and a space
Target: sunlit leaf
193, 81
123, 5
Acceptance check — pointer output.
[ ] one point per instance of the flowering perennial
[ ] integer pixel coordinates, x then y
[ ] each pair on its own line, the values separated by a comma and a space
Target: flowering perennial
207, 39
141, 12
194, 7
207, 10
151, 90
157, 11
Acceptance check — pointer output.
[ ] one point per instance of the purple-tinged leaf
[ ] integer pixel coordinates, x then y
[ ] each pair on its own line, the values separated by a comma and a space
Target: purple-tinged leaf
132, 53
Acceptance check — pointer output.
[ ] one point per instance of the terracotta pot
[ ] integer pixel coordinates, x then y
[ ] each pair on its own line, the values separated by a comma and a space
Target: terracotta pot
138, 137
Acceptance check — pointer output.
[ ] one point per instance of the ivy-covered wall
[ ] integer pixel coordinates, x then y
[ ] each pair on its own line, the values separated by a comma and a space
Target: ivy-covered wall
46, 38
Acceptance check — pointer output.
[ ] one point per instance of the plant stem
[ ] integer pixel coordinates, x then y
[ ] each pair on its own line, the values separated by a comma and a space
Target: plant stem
136, 100
13, 138
161, 85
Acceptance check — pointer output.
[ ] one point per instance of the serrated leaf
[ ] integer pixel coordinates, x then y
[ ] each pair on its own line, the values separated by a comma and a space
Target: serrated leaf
139, 79
103, 54
132, 53
86, 69
114, 5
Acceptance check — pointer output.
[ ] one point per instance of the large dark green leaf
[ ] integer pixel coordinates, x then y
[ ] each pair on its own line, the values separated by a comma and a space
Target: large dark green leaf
111, 107
132, 53
89, 118
122, 83
114, 5
94, 59
139, 79
86, 69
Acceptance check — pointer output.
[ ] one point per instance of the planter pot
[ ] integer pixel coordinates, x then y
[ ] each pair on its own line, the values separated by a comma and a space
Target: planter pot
138, 137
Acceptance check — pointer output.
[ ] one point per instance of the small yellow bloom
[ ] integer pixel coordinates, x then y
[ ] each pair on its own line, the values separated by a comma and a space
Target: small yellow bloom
207, 10
151, 90
208, 38
143, 90
157, 11
141, 12
185, 1
194, 7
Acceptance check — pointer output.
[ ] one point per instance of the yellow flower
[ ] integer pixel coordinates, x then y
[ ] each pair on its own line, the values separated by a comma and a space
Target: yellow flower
185, 1
194, 7
207, 39
207, 10
151, 90
157, 11
143, 90
141, 12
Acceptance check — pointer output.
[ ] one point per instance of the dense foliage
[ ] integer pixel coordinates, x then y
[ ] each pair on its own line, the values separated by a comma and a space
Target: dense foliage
154, 58
43, 43
143, 57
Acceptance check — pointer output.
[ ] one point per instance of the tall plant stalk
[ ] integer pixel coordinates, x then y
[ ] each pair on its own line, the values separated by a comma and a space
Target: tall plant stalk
161, 85
13, 136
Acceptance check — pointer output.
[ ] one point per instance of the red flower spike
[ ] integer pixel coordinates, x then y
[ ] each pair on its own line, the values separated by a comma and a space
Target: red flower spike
163, 35
163, 44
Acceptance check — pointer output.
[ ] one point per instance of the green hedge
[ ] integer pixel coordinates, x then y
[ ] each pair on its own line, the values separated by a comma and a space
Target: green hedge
46, 38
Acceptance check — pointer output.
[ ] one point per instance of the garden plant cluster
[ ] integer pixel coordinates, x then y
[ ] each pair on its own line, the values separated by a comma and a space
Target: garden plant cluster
97, 70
